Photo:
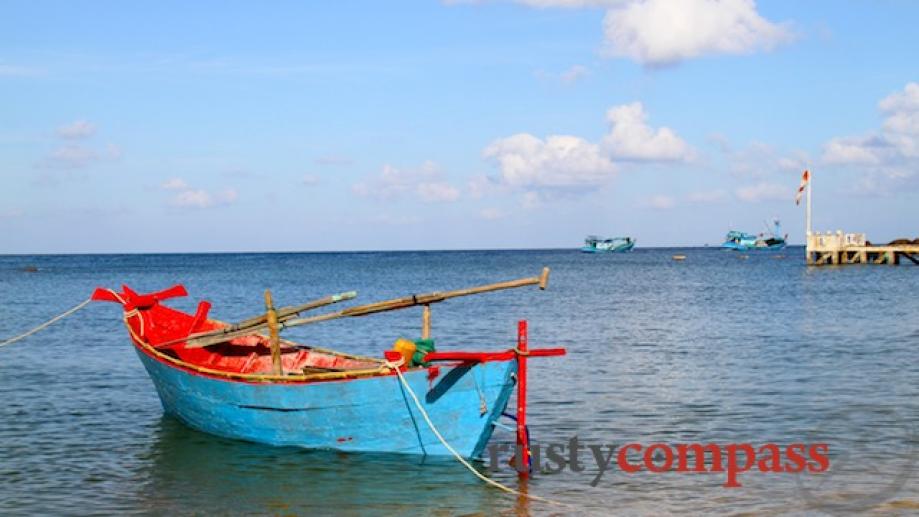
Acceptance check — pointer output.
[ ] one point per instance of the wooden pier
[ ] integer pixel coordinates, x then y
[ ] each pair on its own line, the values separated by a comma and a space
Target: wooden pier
853, 248
837, 249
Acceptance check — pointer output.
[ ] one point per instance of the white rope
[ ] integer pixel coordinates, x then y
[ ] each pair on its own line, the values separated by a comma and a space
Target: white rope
395, 366
131, 314
117, 296
46, 324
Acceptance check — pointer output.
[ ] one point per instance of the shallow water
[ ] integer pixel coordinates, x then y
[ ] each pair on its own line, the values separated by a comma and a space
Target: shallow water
718, 348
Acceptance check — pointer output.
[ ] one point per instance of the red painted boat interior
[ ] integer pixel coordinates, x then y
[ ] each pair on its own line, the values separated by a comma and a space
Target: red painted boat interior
164, 328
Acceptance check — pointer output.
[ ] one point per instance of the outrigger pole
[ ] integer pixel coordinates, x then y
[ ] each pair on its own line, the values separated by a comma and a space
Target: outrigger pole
213, 338
261, 322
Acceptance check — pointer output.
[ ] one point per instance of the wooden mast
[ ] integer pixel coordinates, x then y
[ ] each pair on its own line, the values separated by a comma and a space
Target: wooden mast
426, 322
271, 316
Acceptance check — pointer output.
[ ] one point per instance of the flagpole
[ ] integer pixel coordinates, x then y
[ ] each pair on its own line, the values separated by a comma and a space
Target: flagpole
810, 182
807, 210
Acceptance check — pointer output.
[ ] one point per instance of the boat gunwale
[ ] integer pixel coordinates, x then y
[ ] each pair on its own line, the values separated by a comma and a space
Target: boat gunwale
260, 378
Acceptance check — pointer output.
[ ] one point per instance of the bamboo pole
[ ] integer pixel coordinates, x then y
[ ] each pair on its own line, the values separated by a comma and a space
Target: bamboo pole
423, 299
289, 312
544, 279
389, 305
426, 322
253, 325
271, 317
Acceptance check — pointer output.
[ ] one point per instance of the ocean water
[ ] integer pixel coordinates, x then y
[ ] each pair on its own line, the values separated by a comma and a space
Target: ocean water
721, 348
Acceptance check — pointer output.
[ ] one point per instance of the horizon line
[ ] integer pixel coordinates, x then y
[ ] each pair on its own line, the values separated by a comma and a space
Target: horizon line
317, 252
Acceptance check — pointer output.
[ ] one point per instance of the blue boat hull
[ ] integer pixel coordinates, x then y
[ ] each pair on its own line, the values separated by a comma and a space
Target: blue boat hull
621, 249
358, 415
740, 247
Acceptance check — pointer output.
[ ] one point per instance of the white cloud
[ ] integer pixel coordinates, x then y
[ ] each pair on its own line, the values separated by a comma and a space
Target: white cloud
394, 220
568, 77
764, 192
660, 202
896, 141
198, 198
333, 159
768, 173
664, 32
438, 192
759, 160
70, 156
531, 200
528, 162
193, 198
707, 197
227, 196
796, 163
631, 138
426, 183
492, 214
174, 184
113, 152
574, 74
76, 130
854, 151
310, 179
481, 185
187, 197
74, 154
721, 141
890, 154
905, 101
557, 161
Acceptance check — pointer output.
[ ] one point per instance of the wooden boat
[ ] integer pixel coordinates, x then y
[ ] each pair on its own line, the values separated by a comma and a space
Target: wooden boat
772, 239
594, 244
234, 381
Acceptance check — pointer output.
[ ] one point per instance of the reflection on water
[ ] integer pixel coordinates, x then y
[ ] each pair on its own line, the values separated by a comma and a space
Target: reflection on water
254, 479
710, 349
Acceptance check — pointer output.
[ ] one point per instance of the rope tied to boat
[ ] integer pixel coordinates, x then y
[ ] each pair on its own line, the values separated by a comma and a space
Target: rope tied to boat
128, 314
132, 313
395, 366
47, 324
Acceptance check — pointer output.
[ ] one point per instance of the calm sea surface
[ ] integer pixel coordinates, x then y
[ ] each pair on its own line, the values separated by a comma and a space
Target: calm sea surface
722, 348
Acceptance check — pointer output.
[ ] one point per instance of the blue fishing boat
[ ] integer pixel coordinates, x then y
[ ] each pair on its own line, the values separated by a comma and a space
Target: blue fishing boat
594, 244
771, 239
361, 414
237, 382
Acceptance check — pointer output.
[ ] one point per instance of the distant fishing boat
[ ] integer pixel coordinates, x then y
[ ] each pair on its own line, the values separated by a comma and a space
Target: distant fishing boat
771, 239
594, 244
237, 382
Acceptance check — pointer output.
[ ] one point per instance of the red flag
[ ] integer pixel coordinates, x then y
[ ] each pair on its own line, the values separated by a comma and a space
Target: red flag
805, 178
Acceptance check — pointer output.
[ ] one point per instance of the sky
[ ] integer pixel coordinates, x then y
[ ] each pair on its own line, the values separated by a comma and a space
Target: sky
323, 126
